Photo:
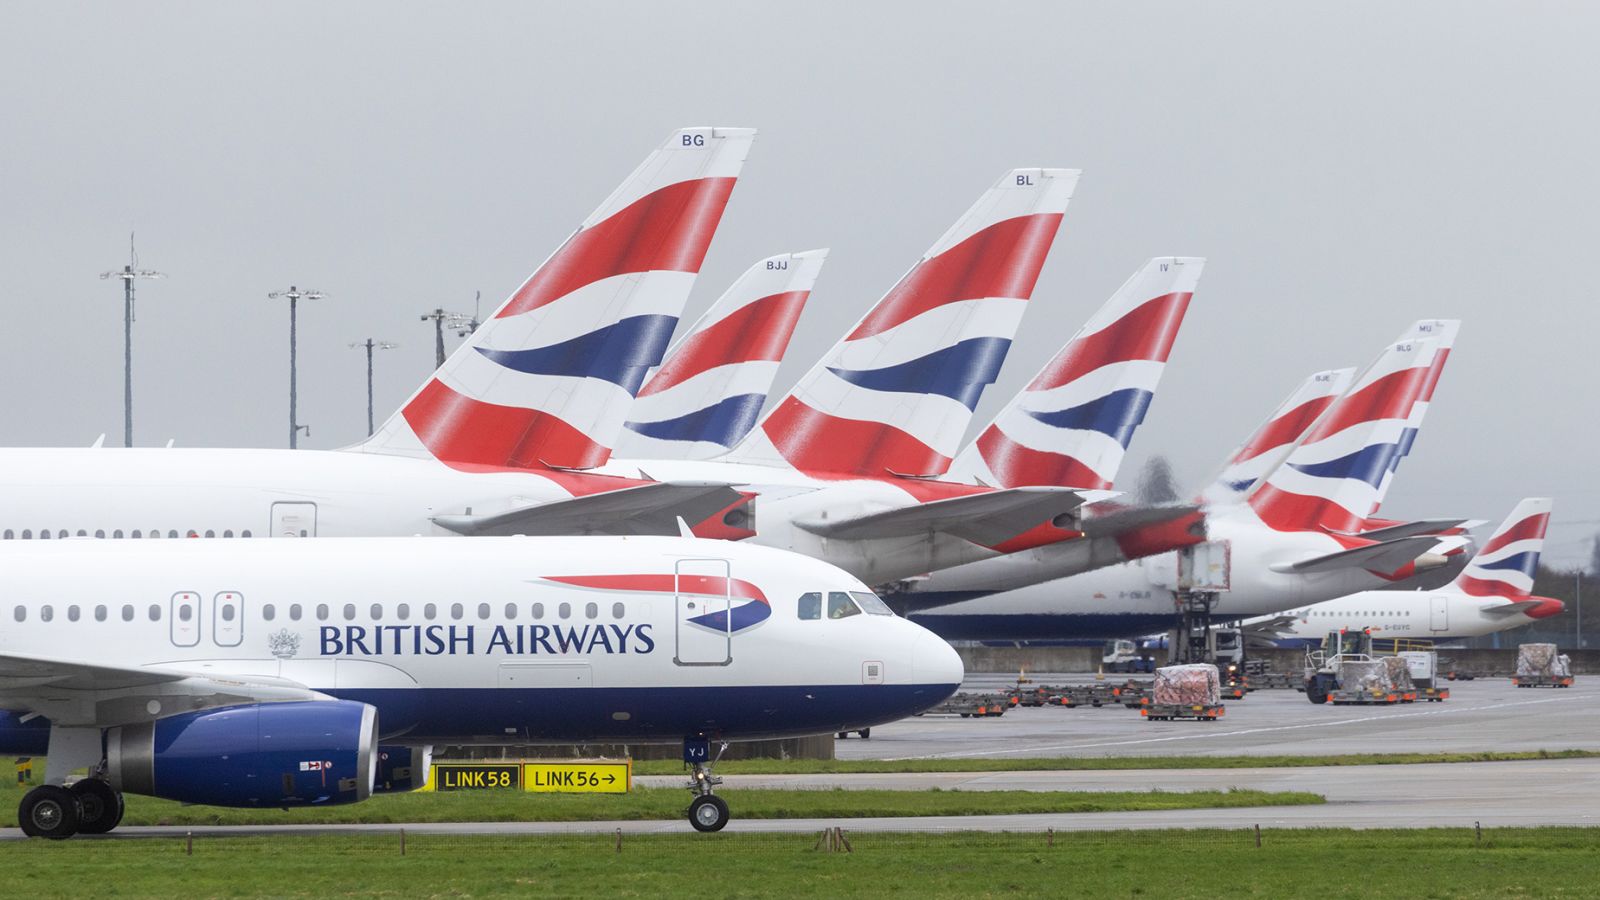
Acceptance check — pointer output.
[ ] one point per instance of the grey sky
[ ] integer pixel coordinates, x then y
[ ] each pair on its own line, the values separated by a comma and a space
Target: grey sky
1346, 168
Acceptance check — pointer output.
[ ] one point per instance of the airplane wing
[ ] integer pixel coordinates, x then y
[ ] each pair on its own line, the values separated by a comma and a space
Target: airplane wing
987, 518
1510, 609
1420, 527
1387, 556
1274, 626
646, 509
74, 692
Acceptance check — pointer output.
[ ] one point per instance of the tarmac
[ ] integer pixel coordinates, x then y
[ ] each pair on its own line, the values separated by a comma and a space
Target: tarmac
1480, 716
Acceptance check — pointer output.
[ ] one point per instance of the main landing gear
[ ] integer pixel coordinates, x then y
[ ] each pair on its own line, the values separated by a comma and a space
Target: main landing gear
707, 811
89, 806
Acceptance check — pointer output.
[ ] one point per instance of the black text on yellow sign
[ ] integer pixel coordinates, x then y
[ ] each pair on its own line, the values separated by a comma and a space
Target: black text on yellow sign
578, 777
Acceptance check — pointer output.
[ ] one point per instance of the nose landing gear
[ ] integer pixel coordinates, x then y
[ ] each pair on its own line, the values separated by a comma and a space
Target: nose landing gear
707, 811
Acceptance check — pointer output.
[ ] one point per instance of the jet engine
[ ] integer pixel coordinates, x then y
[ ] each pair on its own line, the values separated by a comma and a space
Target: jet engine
269, 754
402, 769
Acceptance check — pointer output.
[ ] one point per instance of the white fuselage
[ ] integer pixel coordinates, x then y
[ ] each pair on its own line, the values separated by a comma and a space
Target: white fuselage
1137, 598
489, 639
1428, 615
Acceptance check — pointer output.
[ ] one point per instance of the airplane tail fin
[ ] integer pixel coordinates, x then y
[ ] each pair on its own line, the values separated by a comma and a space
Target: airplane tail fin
547, 379
1443, 332
896, 395
1506, 564
708, 394
1334, 479
1266, 447
1071, 425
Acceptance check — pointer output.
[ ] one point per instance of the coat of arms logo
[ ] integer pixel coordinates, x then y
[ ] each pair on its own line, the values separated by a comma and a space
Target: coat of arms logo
283, 643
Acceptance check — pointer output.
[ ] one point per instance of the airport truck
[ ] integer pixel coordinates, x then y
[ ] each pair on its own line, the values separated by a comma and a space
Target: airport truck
1124, 656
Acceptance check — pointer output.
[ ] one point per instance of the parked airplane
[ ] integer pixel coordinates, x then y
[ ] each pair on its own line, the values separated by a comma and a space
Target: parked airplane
488, 444
708, 394
269, 673
1493, 593
857, 508
1298, 536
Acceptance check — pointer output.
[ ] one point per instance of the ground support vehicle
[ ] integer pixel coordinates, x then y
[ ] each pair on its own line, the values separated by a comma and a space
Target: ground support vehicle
1167, 712
1541, 681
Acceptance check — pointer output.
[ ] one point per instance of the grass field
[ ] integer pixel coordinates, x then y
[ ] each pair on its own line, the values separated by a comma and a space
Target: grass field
1324, 864
1059, 763
670, 803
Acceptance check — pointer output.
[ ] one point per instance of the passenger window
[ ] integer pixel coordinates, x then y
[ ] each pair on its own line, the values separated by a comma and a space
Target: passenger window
155, 533
591, 610
811, 605
483, 610
137, 533
127, 612
83, 533
117, 534
44, 534
376, 612
172, 532
456, 610
99, 532
294, 612
840, 606
10, 535
616, 610
63, 533
227, 532
46, 613
511, 611
20, 613
210, 533
349, 612
268, 612
72, 614
872, 603
565, 610
429, 611
322, 612
403, 611
155, 612
245, 533
538, 611
99, 613
27, 534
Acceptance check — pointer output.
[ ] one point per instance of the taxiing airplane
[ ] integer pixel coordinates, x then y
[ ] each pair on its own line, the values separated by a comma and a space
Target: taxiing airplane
270, 673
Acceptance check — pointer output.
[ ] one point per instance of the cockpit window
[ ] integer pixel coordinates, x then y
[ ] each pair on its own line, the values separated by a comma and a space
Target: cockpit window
872, 603
840, 606
811, 605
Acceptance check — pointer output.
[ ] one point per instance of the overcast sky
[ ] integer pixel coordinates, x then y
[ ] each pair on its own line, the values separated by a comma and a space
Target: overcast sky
1345, 169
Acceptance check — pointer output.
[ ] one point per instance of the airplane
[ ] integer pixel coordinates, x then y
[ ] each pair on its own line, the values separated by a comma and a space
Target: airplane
274, 673
1298, 535
708, 393
1492, 593
492, 443
850, 485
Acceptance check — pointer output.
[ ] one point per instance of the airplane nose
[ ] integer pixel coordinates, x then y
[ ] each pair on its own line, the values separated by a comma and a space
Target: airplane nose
1548, 606
933, 661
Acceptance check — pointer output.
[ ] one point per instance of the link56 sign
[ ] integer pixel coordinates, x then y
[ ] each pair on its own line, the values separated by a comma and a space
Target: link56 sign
576, 777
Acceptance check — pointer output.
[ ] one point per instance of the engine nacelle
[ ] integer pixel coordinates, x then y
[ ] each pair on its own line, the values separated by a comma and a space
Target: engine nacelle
402, 769
19, 738
269, 754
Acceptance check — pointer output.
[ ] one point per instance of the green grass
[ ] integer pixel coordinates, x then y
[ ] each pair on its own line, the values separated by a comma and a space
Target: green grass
670, 803
1321, 864
1062, 763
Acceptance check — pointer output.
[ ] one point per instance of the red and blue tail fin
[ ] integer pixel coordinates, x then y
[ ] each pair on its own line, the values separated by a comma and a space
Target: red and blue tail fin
708, 394
548, 379
1507, 563
1280, 433
1334, 479
897, 394
1071, 425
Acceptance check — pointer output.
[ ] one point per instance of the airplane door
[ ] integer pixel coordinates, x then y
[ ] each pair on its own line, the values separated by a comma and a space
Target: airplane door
227, 619
1439, 613
294, 520
185, 618
701, 620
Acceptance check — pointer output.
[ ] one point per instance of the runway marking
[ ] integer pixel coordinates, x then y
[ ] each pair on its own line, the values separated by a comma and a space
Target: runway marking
1218, 734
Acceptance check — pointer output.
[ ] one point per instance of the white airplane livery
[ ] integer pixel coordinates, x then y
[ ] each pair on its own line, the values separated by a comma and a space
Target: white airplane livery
1493, 593
269, 673
490, 443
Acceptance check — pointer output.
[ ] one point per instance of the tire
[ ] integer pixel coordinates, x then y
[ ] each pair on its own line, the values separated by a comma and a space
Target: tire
708, 813
842, 735
866, 733
1316, 692
49, 811
102, 806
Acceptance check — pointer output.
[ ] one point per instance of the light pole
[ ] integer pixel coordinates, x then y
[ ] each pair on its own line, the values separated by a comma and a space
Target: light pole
371, 345
461, 323
294, 296
128, 274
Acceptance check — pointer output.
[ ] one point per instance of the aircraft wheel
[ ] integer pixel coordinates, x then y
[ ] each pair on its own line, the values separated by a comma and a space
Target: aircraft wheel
1316, 691
49, 811
102, 806
866, 734
708, 813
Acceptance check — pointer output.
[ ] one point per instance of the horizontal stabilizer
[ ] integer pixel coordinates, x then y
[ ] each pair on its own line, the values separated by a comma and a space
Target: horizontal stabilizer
988, 518
1122, 521
1420, 527
1275, 626
1511, 609
1387, 556
646, 509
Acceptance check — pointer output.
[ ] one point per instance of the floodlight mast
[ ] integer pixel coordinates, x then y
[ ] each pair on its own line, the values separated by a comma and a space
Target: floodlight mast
370, 346
294, 295
461, 323
128, 275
